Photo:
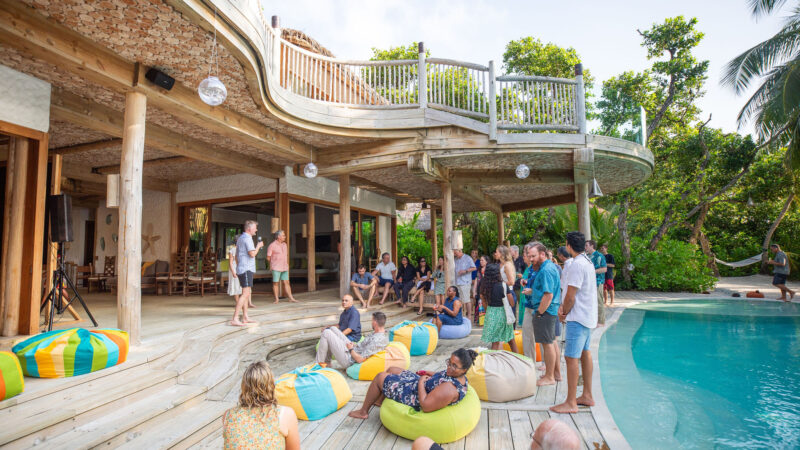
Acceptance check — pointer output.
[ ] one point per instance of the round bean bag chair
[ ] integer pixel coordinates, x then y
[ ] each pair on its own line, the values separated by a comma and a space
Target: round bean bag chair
448, 424
518, 340
420, 338
502, 376
71, 352
313, 392
11, 381
394, 355
456, 331
333, 358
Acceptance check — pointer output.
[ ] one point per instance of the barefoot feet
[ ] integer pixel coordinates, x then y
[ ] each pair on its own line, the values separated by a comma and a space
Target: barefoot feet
358, 414
565, 408
585, 400
544, 381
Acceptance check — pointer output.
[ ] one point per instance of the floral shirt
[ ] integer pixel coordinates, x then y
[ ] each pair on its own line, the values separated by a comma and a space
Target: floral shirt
253, 428
403, 387
372, 344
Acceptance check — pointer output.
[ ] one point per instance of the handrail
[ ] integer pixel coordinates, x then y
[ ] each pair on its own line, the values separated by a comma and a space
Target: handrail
510, 103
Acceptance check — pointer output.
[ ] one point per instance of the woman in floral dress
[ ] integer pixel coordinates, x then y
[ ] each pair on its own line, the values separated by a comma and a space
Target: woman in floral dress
421, 392
496, 328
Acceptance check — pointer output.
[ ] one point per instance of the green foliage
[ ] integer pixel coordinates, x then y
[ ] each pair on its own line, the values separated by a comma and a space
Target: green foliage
412, 242
675, 266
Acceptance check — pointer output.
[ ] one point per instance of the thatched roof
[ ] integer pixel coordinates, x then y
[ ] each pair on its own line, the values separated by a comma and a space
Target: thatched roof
304, 41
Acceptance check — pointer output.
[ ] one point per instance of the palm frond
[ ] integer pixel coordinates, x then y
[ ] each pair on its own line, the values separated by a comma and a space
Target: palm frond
763, 7
763, 57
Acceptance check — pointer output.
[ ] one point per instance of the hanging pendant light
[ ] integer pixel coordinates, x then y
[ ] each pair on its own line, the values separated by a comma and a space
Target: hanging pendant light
595, 191
310, 170
522, 171
211, 90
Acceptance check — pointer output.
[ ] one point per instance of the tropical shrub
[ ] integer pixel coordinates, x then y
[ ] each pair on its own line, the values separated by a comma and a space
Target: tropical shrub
673, 266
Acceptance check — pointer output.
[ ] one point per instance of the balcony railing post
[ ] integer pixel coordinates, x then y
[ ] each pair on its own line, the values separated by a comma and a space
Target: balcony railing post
422, 77
644, 125
492, 103
580, 106
275, 50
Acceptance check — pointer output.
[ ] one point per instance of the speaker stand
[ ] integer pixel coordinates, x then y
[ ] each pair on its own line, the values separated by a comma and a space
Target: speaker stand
54, 302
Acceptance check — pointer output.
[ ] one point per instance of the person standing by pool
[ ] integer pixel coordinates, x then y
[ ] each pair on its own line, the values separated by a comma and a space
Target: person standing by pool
464, 265
608, 284
245, 269
780, 272
599, 262
278, 256
579, 311
544, 291
523, 282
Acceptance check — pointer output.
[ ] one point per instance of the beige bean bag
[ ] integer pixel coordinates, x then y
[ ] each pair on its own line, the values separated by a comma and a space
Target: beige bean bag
502, 376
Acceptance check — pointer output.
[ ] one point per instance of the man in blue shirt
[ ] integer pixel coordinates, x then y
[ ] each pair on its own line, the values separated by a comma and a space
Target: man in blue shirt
364, 284
600, 268
335, 338
544, 298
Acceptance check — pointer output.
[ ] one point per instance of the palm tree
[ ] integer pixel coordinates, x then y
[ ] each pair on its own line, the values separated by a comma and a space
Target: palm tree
774, 108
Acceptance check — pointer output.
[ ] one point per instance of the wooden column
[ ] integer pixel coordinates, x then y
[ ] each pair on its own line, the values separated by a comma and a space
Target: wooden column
174, 223
344, 234
35, 196
447, 234
55, 188
584, 219
501, 228
129, 246
284, 216
311, 229
13, 247
434, 239
393, 237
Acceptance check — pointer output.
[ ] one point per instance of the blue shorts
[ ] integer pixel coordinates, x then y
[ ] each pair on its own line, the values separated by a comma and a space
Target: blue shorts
578, 339
383, 281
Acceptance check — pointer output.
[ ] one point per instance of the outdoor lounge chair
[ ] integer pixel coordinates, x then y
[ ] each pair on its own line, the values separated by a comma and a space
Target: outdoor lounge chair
101, 279
204, 274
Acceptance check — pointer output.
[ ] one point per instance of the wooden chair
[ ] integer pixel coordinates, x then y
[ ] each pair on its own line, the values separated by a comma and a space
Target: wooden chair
83, 273
175, 277
205, 273
109, 271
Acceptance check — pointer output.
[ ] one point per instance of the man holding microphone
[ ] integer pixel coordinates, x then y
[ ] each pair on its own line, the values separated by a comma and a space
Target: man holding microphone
246, 253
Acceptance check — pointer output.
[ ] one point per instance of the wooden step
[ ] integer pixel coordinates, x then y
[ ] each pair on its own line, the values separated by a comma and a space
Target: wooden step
37, 420
213, 441
129, 422
189, 427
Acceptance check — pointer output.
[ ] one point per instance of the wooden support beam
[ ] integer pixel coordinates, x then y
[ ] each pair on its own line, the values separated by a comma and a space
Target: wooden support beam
423, 166
87, 147
434, 237
480, 177
72, 108
105, 170
539, 203
78, 187
475, 195
447, 234
366, 163
396, 193
16, 173
584, 217
25, 29
173, 223
311, 252
129, 245
344, 234
501, 228
583, 165
84, 173
393, 237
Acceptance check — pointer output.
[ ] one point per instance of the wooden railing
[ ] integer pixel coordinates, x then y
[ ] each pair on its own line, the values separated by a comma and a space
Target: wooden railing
509, 103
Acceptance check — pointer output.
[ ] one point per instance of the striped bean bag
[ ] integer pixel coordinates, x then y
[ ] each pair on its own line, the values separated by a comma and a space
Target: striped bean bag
394, 355
518, 340
502, 376
420, 338
11, 381
71, 352
313, 392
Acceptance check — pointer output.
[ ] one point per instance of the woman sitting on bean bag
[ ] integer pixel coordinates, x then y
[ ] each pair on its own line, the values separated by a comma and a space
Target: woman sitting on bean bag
448, 313
426, 393
258, 421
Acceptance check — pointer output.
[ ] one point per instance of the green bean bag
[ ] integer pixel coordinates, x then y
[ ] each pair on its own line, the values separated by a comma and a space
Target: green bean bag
11, 381
448, 424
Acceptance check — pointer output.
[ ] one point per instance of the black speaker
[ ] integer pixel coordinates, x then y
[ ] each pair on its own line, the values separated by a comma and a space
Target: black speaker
60, 214
159, 78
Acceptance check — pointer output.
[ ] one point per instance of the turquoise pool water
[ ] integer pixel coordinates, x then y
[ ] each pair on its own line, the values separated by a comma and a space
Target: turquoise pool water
705, 374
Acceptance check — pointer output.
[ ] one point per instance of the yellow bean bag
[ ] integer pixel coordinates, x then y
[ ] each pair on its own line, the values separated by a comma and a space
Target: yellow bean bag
448, 424
313, 392
394, 355
518, 340
11, 381
420, 338
502, 376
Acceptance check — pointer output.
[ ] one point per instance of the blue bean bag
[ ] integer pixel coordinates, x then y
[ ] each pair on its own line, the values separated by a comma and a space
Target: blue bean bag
456, 331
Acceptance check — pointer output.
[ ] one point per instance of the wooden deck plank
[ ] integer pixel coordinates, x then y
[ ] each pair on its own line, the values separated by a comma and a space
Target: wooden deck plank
567, 418
521, 429
457, 445
588, 430
327, 426
537, 417
366, 433
346, 429
402, 444
479, 438
384, 440
499, 430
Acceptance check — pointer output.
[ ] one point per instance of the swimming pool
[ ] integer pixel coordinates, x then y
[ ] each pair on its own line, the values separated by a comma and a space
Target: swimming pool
704, 374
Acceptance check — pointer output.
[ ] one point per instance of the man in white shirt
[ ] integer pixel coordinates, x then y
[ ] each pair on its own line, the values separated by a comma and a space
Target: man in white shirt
386, 272
464, 266
579, 311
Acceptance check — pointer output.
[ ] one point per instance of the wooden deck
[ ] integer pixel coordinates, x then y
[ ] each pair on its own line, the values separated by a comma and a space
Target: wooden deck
173, 389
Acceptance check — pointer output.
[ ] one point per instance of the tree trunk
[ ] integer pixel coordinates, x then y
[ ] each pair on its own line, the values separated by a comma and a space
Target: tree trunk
662, 230
711, 258
622, 224
697, 228
771, 231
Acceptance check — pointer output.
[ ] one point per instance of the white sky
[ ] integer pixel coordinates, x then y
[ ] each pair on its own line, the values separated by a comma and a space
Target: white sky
603, 32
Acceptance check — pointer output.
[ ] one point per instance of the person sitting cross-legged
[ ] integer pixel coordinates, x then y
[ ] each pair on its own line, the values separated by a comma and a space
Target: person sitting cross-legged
348, 352
425, 393
364, 285
448, 313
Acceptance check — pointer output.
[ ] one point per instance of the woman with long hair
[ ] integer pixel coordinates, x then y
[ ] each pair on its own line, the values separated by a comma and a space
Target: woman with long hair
423, 283
258, 421
496, 328
484, 261
406, 274
438, 283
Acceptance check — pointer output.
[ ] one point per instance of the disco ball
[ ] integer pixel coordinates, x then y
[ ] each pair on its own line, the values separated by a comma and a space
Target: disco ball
212, 91
523, 171
310, 170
